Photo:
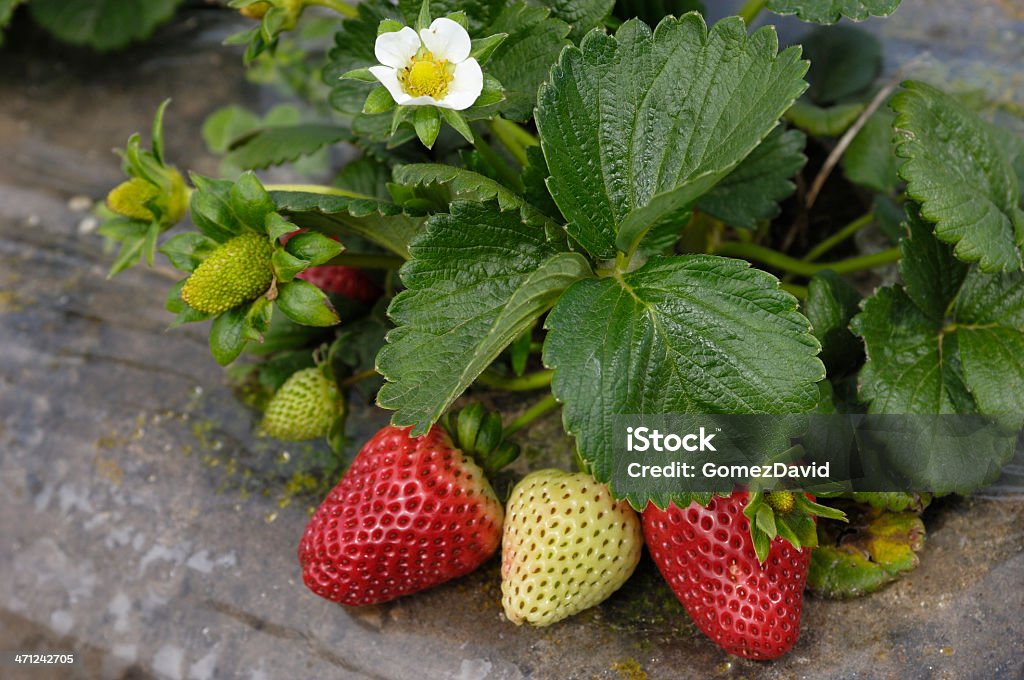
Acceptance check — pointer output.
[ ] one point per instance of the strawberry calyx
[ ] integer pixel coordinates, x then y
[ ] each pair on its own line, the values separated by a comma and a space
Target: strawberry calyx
787, 514
478, 432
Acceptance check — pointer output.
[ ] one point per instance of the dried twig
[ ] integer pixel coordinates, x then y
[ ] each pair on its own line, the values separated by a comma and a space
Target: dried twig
844, 141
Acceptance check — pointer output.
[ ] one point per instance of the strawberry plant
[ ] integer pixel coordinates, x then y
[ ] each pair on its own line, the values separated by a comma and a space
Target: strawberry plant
623, 213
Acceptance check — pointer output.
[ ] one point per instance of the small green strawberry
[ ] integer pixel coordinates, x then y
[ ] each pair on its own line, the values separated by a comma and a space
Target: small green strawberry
305, 407
567, 546
129, 199
235, 273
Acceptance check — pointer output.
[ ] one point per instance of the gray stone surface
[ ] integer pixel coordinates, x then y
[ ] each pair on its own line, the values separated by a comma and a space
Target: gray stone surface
143, 526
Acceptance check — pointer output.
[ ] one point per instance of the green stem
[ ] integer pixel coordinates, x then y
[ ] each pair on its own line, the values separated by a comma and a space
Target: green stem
838, 237
317, 189
368, 261
509, 176
542, 407
336, 5
525, 383
750, 10
512, 137
774, 258
358, 377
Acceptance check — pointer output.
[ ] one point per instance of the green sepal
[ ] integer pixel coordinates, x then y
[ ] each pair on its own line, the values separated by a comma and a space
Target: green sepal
157, 134
797, 526
314, 247
423, 20
257, 319
186, 251
765, 520
361, 74
251, 202
387, 26
305, 304
402, 114
479, 433
468, 424
378, 101
184, 313
460, 18
227, 335
211, 208
336, 435
242, 37
483, 48
427, 123
278, 226
804, 503
492, 92
458, 122
129, 254
286, 265
489, 436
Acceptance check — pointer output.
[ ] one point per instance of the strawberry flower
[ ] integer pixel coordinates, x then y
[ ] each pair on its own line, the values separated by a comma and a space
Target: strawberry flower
429, 68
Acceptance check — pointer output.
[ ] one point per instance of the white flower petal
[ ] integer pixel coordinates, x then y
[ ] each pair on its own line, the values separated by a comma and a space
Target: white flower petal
388, 77
466, 86
420, 101
447, 39
396, 48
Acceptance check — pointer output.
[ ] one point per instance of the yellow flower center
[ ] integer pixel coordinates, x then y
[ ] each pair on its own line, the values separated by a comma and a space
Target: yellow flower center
426, 77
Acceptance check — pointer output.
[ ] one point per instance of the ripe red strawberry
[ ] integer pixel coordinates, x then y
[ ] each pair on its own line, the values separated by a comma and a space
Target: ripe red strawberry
410, 513
341, 280
707, 556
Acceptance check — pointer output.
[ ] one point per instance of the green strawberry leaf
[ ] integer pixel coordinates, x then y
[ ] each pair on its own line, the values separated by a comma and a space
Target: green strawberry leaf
283, 144
845, 60
752, 191
635, 127
893, 501
453, 321
464, 184
228, 336
479, 13
382, 222
102, 24
831, 304
305, 304
692, 334
830, 11
870, 160
535, 176
582, 15
949, 341
877, 548
365, 176
959, 172
186, 251
227, 124
522, 62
